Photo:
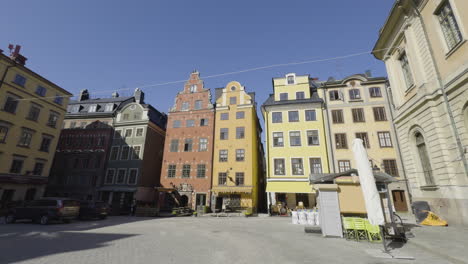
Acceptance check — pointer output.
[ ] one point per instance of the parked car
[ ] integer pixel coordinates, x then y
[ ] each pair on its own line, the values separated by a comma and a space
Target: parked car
93, 209
45, 210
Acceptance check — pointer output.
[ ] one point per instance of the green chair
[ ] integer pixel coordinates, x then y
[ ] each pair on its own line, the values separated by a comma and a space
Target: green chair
360, 228
373, 232
348, 225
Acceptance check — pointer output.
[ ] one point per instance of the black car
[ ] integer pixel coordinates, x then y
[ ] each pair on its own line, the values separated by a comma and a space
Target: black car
45, 210
93, 209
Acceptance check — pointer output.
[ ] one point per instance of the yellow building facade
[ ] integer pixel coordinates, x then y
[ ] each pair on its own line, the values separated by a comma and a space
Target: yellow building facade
237, 162
295, 140
31, 116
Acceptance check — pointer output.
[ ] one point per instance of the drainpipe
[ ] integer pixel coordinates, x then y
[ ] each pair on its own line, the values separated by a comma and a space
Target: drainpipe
267, 161
442, 88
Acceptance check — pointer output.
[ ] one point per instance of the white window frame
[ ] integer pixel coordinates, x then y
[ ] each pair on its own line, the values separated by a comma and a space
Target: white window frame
315, 157
125, 133
113, 177
92, 108
139, 153
121, 152
284, 169
117, 176
318, 137
290, 75
292, 167
142, 129
129, 173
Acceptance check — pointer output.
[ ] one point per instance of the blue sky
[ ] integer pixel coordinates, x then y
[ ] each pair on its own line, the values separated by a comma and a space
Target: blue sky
109, 44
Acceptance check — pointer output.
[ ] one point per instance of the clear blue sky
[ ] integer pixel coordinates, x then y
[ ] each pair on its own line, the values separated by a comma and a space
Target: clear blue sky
109, 44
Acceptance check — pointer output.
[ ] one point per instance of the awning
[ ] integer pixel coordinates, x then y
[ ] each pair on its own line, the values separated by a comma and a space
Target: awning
289, 187
232, 189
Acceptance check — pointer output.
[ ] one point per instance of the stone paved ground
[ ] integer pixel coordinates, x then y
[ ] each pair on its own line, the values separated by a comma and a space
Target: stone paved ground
186, 240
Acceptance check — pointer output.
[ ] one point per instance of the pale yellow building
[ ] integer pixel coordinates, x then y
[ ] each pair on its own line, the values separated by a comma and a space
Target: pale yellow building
424, 46
32, 111
238, 158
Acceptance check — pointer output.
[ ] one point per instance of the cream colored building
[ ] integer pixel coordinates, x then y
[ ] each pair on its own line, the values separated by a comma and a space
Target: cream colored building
357, 107
423, 44
31, 115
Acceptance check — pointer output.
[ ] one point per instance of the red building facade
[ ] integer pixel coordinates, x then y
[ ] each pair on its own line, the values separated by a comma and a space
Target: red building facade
188, 150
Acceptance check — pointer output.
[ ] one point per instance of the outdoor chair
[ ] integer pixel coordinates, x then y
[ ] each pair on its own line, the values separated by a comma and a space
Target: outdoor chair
373, 232
360, 228
348, 225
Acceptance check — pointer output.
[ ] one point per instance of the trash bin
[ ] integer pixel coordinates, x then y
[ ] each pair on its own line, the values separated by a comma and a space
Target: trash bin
420, 210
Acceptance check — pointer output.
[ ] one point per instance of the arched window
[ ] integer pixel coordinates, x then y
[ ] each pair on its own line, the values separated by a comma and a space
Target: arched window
424, 158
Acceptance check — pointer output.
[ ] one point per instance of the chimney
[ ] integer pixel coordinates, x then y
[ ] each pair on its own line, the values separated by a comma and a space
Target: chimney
139, 95
115, 94
368, 73
15, 54
331, 79
84, 95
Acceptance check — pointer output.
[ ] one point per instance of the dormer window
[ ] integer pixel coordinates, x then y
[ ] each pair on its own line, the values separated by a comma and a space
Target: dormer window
193, 88
354, 94
75, 109
109, 107
290, 79
92, 108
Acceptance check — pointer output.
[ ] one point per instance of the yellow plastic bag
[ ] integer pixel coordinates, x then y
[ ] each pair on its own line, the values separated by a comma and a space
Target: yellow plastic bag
433, 220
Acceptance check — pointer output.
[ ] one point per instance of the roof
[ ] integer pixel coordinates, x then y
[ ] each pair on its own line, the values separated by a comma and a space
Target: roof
100, 100
218, 93
271, 100
354, 76
101, 103
380, 177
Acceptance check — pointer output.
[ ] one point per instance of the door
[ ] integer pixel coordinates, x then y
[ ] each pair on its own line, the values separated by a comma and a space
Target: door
201, 199
399, 201
329, 214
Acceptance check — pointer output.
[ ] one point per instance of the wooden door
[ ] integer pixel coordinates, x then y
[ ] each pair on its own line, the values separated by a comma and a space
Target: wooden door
399, 201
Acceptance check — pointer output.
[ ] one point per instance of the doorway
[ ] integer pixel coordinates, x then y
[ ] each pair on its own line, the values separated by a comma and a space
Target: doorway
399, 201
200, 199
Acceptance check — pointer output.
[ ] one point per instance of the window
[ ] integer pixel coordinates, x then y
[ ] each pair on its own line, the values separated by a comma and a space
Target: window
310, 115
41, 91
232, 100
34, 112
185, 106
3, 133
190, 123
193, 88
278, 139
344, 165
11, 104
224, 134
176, 124
315, 165
365, 139
114, 153
171, 171
124, 153
279, 166
424, 158
139, 132
340, 141
240, 115
239, 178
354, 94
201, 170
16, 165
132, 177
136, 152
203, 122
45, 144
283, 96
300, 95
334, 95
121, 173
240, 132
188, 145
294, 138
337, 116
174, 145
203, 144
126, 116
25, 139
224, 116
293, 116
92, 108
38, 168
72, 124
20, 80
128, 133
385, 140
358, 115
109, 107
313, 138
375, 92
405, 67
198, 104
379, 114
240, 154
223, 155
53, 118
58, 99
110, 176
290, 79
75, 108
222, 178
297, 166
449, 25
186, 171
277, 117
390, 167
